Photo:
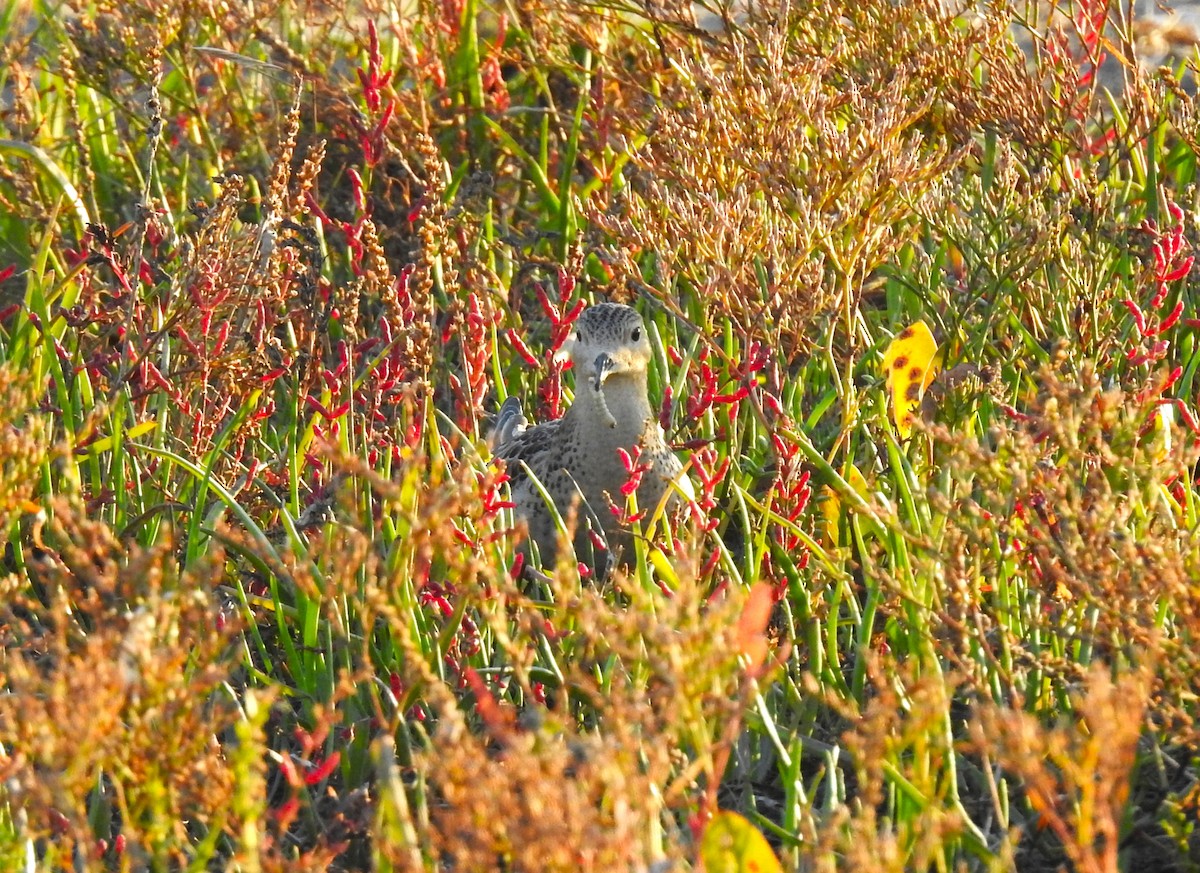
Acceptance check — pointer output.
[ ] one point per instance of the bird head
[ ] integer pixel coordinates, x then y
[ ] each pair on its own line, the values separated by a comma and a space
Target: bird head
609, 339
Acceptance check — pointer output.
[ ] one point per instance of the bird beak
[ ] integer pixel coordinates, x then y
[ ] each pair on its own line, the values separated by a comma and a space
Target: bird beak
603, 366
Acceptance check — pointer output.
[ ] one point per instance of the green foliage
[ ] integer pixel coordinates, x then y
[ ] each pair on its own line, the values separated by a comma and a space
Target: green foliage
267, 270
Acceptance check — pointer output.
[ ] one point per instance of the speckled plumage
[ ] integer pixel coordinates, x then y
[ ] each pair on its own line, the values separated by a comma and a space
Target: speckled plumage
575, 458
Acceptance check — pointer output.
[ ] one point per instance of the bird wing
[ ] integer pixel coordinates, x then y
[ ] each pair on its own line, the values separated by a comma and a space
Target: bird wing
517, 441
534, 451
510, 423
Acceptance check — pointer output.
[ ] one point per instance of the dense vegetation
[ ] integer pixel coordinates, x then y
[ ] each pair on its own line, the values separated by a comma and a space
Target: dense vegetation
266, 271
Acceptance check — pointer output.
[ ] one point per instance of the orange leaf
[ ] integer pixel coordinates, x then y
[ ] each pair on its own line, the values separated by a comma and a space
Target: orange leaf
752, 626
498, 721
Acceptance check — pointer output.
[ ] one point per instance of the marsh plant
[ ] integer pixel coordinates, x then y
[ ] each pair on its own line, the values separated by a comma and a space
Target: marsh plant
268, 270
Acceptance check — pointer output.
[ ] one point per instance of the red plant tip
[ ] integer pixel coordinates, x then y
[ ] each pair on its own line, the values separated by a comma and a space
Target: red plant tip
287, 812
1156, 353
1012, 413
1160, 257
1096, 145
1186, 414
697, 823
431, 596
566, 284
629, 459
548, 306
1139, 319
636, 470
664, 412
343, 354
1180, 271
1169, 322
322, 770
598, 542
357, 191
326, 413
740, 394
627, 518
521, 348
573, 313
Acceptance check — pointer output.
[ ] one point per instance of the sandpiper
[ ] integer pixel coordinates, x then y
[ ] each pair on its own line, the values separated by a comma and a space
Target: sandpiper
576, 458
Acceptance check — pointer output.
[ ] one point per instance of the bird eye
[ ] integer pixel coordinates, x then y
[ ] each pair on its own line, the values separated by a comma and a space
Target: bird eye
636, 335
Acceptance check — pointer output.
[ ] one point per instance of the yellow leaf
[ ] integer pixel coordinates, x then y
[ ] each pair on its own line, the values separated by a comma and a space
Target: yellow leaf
105, 444
1062, 592
664, 569
831, 505
909, 366
1160, 432
732, 845
138, 429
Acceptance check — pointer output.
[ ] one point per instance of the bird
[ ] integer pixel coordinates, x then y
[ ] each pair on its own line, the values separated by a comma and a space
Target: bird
577, 458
